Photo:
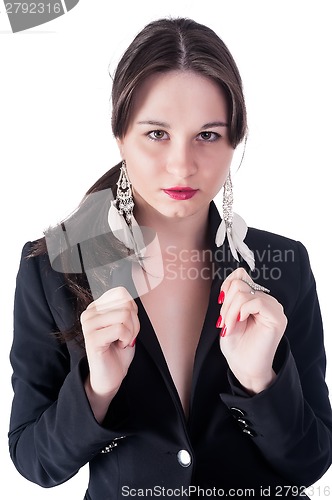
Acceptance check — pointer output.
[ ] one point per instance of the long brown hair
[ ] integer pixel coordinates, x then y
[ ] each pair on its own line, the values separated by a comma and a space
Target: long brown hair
163, 45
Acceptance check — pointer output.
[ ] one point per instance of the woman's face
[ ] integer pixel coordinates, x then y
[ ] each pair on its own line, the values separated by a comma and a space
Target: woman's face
177, 148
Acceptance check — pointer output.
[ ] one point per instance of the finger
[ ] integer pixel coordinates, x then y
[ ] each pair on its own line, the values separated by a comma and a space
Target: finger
231, 313
264, 310
114, 298
102, 339
135, 328
237, 293
101, 323
108, 318
135, 324
254, 287
111, 306
267, 309
239, 274
103, 315
92, 331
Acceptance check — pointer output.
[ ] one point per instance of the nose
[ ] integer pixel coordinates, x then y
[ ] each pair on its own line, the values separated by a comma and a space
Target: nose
181, 160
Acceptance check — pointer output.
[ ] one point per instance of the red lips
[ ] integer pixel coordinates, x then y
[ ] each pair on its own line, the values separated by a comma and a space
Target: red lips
180, 192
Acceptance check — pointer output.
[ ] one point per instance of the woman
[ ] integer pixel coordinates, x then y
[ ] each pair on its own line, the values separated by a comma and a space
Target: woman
142, 343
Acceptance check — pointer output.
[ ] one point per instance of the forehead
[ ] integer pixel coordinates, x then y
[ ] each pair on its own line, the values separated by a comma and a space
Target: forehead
179, 95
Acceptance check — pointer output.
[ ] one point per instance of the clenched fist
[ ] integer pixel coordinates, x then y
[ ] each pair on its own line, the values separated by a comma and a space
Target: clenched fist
110, 325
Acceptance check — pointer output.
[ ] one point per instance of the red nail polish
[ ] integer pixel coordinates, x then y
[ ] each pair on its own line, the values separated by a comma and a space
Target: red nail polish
133, 342
238, 317
221, 297
223, 331
219, 320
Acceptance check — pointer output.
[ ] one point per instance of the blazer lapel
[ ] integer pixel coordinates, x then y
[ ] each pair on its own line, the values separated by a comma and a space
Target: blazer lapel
222, 265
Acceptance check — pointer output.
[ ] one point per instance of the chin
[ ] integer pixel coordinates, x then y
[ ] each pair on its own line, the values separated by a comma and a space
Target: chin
182, 211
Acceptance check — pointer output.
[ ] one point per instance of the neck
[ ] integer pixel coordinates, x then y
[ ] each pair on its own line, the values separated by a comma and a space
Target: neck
185, 233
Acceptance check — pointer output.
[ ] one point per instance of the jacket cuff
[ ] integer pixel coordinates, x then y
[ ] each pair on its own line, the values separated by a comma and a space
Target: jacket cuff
269, 413
89, 437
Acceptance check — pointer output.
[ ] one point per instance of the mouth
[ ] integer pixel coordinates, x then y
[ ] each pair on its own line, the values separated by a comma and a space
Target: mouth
180, 192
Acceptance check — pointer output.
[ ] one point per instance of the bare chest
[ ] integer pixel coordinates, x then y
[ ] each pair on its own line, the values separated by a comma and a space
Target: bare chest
177, 309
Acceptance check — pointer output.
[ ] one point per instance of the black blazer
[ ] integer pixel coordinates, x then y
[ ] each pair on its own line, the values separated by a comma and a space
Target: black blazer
278, 438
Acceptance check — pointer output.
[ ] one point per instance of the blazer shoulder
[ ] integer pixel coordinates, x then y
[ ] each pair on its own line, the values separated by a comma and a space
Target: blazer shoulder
281, 263
275, 248
261, 237
37, 267
37, 281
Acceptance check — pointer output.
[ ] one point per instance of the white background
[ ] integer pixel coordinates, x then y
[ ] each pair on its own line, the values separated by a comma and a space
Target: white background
56, 140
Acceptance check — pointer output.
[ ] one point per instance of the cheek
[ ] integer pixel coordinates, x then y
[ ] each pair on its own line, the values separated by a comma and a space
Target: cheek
218, 165
141, 167
138, 150
144, 160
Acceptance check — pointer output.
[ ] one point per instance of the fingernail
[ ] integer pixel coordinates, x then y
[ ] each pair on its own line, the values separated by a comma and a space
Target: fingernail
223, 331
219, 320
133, 342
238, 317
221, 297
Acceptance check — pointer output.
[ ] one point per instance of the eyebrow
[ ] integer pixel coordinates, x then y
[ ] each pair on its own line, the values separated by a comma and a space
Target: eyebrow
166, 125
214, 124
156, 123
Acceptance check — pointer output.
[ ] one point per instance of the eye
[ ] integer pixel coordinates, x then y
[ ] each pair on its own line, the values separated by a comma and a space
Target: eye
207, 136
157, 135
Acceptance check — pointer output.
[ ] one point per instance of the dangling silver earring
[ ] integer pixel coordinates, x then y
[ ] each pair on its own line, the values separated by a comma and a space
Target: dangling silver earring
227, 203
121, 215
124, 195
234, 226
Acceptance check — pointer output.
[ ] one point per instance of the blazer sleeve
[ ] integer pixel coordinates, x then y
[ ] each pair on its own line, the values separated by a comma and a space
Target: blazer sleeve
53, 432
291, 421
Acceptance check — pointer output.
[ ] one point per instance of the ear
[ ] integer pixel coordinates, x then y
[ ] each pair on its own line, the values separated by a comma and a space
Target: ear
120, 146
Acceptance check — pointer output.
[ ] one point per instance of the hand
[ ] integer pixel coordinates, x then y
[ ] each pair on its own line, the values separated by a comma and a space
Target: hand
110, 325
252, 325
